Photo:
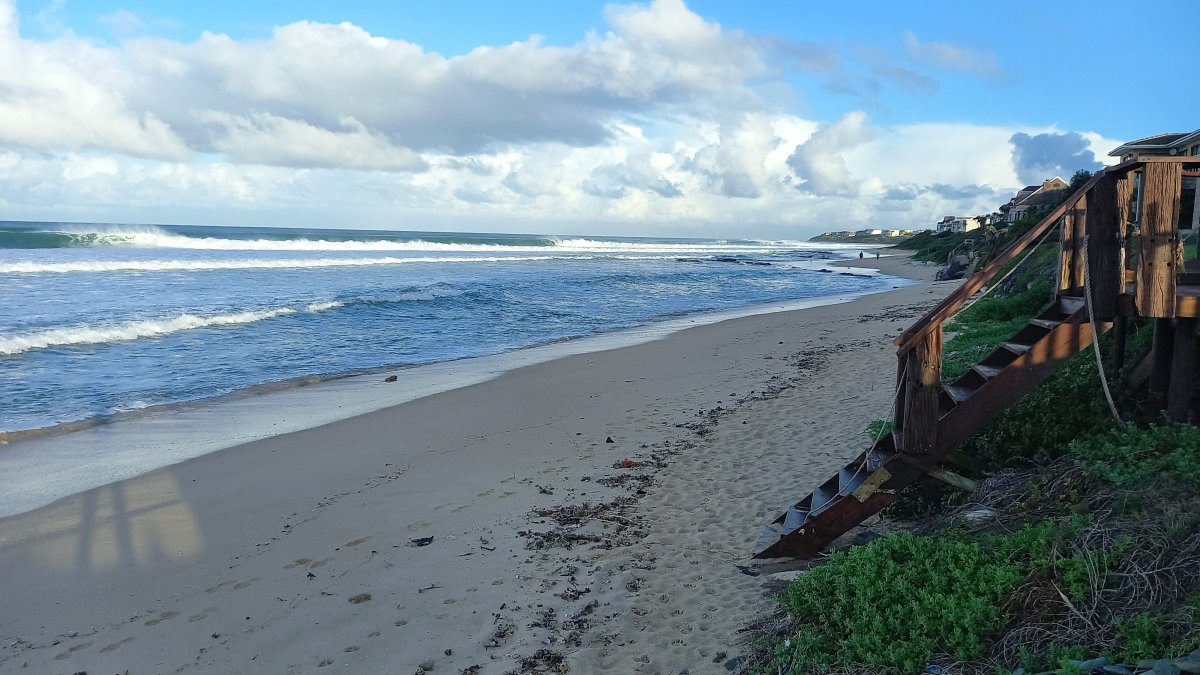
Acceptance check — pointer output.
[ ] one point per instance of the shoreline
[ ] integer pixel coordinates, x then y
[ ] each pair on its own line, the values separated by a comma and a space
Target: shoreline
90, 453
482, 526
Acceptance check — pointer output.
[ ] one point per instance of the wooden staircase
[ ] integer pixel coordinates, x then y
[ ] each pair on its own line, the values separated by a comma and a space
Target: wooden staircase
872, 480
1119, 243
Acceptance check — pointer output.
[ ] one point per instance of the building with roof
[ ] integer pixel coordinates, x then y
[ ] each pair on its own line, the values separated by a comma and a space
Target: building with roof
1175, 145
1032, 196
957, 224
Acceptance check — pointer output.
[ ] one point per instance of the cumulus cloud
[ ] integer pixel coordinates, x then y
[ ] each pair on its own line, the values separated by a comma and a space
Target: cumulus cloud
1045, 155
819, 162
664, 119
951, 56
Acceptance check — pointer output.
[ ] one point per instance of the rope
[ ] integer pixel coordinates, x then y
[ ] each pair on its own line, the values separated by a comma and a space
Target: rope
1087, 298
1007, 274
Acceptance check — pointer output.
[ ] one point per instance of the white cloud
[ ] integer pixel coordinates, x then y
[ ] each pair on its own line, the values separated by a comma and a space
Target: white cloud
655, 123
951, 56
820, 163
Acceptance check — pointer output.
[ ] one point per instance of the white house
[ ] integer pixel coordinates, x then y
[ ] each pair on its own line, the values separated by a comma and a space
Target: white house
957, 224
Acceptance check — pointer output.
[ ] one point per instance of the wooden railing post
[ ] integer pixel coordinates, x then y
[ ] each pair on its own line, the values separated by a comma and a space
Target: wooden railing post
923, 386
1066, 254
1159, 254
1103, 248
1077, 219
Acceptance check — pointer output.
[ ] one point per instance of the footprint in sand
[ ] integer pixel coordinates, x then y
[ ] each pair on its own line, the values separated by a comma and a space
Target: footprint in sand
72, 650
419, 525
237, 584
352, 648
401, 622
115, 646
162, 617
356, 542
202, 615
297, 562
320, 563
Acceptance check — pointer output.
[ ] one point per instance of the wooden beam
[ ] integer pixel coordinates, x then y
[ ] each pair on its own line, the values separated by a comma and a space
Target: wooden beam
1014, 381
1183, 366
1066, 254
1078, 221
1159, 254
1104, 246
1120, 335
1160, 362
923, 387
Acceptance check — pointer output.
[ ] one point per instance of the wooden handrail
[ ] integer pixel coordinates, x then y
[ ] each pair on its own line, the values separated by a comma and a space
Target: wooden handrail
909, 338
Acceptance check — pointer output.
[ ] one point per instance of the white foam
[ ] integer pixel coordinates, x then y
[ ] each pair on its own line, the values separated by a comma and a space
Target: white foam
253, 263
133, 330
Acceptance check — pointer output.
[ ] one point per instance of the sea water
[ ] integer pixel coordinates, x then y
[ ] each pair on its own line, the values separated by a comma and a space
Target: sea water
100, 321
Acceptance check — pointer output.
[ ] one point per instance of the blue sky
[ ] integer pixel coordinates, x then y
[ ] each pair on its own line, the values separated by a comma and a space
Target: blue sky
771, 118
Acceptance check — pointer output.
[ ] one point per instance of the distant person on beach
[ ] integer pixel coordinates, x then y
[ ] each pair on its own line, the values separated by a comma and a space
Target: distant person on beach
860, 255
877, 255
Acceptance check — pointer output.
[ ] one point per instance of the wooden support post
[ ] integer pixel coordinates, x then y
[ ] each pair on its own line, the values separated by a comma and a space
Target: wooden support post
1160, 362
901, 395
1104, 248
1124, 217
923, 384
1183, 365
1066, 253
1120, 334
1158, 257
1078, 220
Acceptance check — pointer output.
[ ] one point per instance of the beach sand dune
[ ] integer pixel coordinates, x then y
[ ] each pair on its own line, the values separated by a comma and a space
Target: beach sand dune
494, 526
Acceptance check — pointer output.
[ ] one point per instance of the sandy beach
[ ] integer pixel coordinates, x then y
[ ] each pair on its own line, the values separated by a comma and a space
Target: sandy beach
493, 528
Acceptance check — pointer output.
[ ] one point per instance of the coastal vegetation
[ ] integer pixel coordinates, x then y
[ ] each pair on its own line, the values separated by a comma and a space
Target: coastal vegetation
1079, 547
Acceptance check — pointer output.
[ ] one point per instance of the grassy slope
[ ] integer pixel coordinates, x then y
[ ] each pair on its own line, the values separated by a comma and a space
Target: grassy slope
1094, 550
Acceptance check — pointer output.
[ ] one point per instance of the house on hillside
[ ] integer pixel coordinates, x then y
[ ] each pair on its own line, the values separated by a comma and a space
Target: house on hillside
957, 224
1175, 145
1028, 197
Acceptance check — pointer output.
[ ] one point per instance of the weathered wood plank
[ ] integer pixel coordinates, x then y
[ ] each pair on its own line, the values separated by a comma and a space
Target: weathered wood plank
1159, 250
1017, 379
1066, 254
1077, 219
1183, 366
1104, 247
923, 387
1160, 362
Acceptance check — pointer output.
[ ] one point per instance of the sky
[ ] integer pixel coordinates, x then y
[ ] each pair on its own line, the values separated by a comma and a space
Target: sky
766, 119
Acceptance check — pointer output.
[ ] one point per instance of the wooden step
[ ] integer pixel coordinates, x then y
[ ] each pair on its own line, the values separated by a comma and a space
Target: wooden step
1048, 324
1015, 347
822, 497
958, 394
794, 519
849, 479
987, 372
769, 537
1069, 304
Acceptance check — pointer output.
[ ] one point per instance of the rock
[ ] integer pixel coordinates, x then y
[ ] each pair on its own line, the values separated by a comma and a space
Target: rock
978, 516
1165, 667
1189, 663
390, 378
721, 656
931, 669
788, 576
360, 598
1090, 664
1118, 669
609, 440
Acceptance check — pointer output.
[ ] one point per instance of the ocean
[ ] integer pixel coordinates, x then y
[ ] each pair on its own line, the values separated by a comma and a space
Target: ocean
98, 322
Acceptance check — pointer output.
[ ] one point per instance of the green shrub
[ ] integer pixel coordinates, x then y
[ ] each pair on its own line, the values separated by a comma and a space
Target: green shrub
1143, 637
1135, 456
894, 603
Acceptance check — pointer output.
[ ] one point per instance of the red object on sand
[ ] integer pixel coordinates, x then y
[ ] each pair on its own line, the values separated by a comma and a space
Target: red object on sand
629, 463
